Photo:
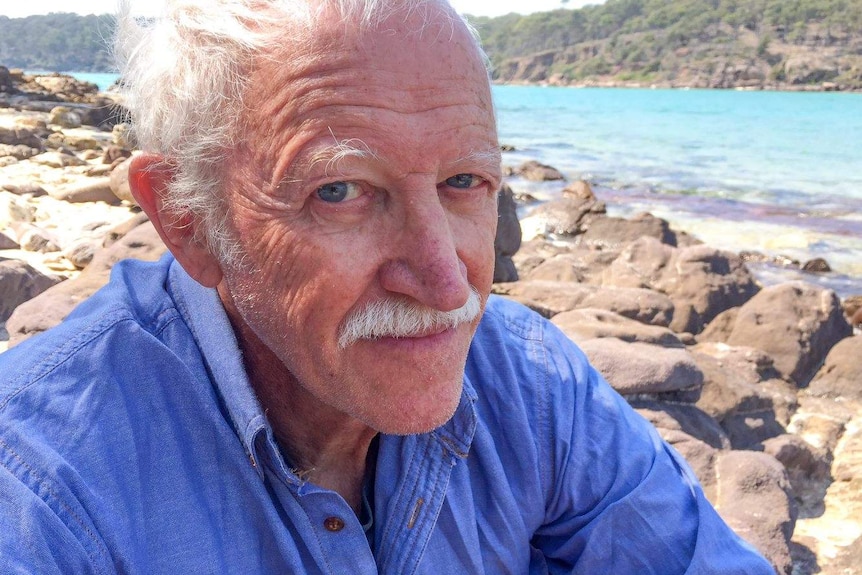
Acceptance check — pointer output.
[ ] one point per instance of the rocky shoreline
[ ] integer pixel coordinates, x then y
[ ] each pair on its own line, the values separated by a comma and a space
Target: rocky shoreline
758, 388
560, 82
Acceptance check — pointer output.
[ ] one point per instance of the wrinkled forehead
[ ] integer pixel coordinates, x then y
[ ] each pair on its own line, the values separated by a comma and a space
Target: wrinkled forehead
414, 39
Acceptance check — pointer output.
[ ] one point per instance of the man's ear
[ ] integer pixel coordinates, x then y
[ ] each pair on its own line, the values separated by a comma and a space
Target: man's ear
149, 178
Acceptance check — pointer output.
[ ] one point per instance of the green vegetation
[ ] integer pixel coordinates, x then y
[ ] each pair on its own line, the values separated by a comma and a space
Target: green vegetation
57, 42
708, 43
699, 43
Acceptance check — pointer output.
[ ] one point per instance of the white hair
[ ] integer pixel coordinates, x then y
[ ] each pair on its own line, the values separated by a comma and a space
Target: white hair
184, 75
400, 317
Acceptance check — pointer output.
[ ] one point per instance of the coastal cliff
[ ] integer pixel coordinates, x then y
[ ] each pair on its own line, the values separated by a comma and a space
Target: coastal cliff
753, 44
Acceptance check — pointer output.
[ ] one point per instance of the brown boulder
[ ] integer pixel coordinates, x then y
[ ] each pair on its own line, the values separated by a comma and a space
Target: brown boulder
741, 393
615, 233
579, 190
19, 283
683, 417
119, 181
57, 160
588, 323
581, 265
566, 216
641, 305
701, 281
807, 467
33, 190
695, 435
645, 370
795, 323
18, 151
506, 242
841, 374
537, 172
754, 498
96, 190
22, 136
52, 306
853, 310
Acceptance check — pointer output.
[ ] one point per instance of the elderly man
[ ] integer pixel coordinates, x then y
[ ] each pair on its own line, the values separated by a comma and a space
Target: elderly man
316, 380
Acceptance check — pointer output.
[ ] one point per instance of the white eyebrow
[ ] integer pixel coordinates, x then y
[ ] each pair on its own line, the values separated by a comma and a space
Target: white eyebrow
487, 158
349, 148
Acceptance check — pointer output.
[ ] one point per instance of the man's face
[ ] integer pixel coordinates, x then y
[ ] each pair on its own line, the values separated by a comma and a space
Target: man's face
368, 172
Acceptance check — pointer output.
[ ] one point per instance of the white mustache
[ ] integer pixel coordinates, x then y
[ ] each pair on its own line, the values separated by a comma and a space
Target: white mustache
395, 317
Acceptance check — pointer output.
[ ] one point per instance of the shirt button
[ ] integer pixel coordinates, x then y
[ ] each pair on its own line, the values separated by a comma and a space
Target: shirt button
333, 524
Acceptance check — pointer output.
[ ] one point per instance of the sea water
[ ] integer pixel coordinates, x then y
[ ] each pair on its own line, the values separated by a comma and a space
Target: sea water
775, 172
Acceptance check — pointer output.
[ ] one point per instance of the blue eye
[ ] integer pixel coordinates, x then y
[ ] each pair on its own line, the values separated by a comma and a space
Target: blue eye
338, 192
464, 181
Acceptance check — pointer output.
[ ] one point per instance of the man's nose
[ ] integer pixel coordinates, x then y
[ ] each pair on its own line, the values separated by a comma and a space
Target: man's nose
424, 261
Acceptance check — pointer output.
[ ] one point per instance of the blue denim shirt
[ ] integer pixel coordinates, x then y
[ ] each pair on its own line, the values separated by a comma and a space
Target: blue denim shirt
131, 442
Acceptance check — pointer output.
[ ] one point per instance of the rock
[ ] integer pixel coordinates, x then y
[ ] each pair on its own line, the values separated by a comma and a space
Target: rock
57, 160
22, 136
820, 421
507, 148
115, 153
587, 323
580, 190
65, 117
81, 253
506, 242
566, 216
807, 467
83, 143
15, 209
19, 151
97, 190
8, 243
754, 499
648, 370
853, 310
718, 330
795, 323
683, 417
841, 373
18, 283
6, 84
35, 239
741, 393
701, 281
536, 172
618, 232
33, 190
7, 161
645, 306
49, 308
581, 265
695, 435
817, 265
121, 136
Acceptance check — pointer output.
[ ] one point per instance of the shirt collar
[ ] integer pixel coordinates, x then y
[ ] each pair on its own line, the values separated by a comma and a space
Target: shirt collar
205, 316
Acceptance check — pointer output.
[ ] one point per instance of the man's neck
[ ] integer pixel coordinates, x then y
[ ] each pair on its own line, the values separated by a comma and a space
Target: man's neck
323, 445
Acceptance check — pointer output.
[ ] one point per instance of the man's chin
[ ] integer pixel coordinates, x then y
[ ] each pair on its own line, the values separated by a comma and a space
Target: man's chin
411, 417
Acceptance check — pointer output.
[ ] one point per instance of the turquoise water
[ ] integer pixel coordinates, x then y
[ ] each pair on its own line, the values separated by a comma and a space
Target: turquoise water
102, 80
776, 172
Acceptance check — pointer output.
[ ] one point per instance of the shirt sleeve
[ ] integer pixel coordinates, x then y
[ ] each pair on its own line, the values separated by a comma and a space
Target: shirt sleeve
620, 499
39, 533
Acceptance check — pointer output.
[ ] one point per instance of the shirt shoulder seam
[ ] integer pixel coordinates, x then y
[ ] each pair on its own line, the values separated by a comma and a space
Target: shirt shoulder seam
64, 352
41, 483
